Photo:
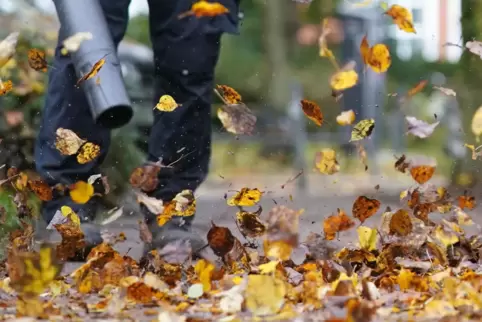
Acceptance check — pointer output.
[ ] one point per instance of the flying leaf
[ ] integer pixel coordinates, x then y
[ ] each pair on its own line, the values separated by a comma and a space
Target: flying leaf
282, 233
324, 51
81, 192
237, 118
115, 214
41, 189
477, 123
249, 223
67, 142
446, 91
402, 18
166, 104
88, 152
221, 240
5, 87
204, 8
36, 60
364, 208
362, 154
377, 57
72, 240
8, 47
326, 163
346, 118
229, 95
204, 271
466, 201
38, 271
445, 236
93, 71
344, 78
312, 111
401, 223
146, 177
67, 212
245, 197
401, 164
72, 44
155, 206
362, 129
417, 88
422, 173
336, 223
367, 237
475, 47
420, 128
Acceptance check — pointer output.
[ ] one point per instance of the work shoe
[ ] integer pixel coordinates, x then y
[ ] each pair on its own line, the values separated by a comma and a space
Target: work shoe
86, 212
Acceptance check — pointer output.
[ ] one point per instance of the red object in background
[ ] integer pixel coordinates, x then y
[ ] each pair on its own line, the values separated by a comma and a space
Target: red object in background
308, 34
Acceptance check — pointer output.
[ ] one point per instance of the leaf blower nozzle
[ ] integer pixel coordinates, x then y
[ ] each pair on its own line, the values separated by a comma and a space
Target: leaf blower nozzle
108, 100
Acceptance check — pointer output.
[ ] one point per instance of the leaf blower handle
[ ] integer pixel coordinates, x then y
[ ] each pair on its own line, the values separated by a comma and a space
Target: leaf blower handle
108, 100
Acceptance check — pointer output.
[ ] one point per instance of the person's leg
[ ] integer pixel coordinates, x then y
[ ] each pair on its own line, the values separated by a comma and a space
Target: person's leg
185, 52
66, 107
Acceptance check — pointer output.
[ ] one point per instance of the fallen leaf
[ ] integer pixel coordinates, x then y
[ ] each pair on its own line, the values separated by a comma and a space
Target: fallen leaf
166, 104
237, 118
362, 129
446, 237
364, 208
419, 128
264, 294
326, 163
245, 197
36, 60
401, 223
402, 18
346, 118
312, 111
72, 43
336, 223
81, 192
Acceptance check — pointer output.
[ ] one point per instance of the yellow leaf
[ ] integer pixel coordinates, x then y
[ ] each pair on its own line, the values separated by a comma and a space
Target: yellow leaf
277, 250
367, 238
204, 270
166, 104
346, 118
384, 5
446, 237
404, 279
477, 122
88, 152
81, 192
343, 80
379, 59
246, 197
69, 213
362, 129
326, 163
343, 277
402, 18
268, 268
264, 294
67, 142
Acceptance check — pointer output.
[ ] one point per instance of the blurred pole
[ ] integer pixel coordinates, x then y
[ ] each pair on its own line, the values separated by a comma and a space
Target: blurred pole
298, 133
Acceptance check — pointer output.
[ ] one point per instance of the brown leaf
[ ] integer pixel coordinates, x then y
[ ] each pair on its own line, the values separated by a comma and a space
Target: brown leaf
229, 94
422, 173
220, 239
312, 111
401, 223
41, 189
144, 232
146, 177
237, 118
401, 164
364, 208
36, 60
249, 223
93, 72
336, 223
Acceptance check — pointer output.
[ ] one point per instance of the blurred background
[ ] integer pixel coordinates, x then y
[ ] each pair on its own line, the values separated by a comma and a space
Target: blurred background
273, 64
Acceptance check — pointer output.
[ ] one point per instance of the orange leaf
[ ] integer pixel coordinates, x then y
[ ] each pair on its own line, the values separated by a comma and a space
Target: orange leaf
400, 223
5, 87
365, 50
402, 18
208, 9
336, 223
95, 69
417, 88
364, 208
466, 201
230, 95
422, 173
36, 60
312, 111
41, 189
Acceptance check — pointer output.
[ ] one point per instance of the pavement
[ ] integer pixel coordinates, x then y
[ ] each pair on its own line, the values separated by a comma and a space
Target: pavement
321, 198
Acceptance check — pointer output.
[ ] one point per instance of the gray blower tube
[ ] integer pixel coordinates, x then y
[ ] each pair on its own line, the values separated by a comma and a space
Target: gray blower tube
108, 100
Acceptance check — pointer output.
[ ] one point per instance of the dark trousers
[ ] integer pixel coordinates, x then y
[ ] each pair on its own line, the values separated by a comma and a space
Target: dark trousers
185, 53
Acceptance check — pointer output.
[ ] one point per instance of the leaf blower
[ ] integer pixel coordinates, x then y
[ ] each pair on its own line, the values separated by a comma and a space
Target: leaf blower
108, 100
